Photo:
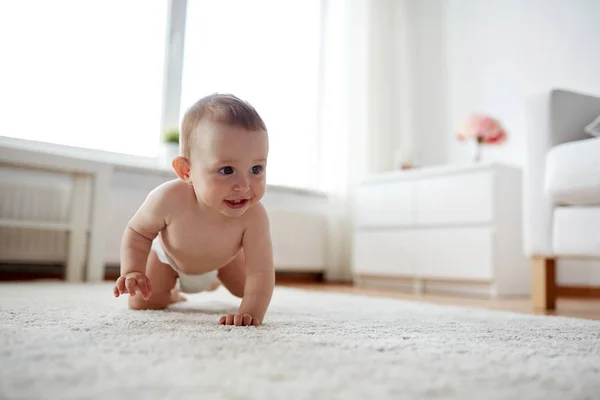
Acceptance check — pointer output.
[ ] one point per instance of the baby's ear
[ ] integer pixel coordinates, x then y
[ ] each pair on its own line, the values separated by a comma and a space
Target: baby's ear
181, 165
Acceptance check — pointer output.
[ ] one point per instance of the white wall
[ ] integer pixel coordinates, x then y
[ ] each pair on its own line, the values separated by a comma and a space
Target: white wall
385, 108
491, 56
427, 72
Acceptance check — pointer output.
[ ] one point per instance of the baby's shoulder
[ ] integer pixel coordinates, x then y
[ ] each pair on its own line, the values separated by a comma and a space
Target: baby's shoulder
257, 216
174, 187
168, 193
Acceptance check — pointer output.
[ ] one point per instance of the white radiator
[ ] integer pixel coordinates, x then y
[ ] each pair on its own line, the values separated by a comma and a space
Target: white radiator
43, 196
35, 196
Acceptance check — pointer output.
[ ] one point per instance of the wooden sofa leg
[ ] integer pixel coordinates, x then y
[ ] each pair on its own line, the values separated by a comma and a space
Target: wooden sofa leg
543, 283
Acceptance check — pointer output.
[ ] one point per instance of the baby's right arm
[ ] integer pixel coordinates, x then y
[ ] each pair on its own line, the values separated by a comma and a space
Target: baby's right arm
145, 225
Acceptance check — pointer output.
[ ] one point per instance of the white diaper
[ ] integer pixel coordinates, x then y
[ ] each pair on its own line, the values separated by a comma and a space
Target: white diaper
187, 283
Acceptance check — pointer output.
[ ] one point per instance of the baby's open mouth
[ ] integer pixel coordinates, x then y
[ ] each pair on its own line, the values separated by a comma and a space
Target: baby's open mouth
236, 203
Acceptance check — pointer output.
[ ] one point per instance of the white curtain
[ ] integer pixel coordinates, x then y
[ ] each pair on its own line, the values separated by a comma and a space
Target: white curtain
365, 114
341, 131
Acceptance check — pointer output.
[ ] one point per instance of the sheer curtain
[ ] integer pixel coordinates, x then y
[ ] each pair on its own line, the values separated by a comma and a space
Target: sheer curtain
83, 73
365, 113
343, 124
265, 52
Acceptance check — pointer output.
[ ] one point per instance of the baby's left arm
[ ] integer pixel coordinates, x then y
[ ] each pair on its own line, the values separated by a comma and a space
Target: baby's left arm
260, 273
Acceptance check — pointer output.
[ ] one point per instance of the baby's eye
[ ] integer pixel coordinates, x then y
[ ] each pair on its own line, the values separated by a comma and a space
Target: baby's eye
257, 169
226, 171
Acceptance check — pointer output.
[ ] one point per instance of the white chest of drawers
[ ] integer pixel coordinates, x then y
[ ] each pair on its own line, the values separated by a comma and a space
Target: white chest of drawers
455, 228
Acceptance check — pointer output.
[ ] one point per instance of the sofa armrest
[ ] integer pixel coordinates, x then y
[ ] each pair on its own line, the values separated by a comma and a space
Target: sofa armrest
537, 206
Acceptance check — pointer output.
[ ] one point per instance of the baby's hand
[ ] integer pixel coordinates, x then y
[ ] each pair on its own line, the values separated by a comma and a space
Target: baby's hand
131, 283
239, 320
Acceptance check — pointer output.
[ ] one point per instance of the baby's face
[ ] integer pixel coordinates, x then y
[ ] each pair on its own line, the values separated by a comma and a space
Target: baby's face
228, 167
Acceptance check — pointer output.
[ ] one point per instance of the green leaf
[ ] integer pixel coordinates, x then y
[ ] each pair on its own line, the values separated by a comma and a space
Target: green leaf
171, 136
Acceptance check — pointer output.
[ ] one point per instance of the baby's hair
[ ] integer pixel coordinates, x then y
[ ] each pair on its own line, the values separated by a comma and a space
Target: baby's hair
223, 108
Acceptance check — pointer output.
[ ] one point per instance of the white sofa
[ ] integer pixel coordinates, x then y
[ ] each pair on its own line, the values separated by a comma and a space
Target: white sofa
562, 187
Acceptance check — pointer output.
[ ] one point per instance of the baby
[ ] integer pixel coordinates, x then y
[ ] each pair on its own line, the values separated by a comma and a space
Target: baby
209, 224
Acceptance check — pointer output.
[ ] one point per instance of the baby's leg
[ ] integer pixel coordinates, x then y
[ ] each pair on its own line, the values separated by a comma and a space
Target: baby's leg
162, 280
233, 275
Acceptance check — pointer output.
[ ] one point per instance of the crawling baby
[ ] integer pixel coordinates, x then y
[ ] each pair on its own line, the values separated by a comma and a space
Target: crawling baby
207, 226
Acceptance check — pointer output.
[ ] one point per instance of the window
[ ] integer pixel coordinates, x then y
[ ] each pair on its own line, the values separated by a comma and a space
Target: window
83, 73
90, 73
265, 52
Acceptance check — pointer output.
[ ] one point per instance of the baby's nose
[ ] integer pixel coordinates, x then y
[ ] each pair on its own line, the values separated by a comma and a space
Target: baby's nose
242, 184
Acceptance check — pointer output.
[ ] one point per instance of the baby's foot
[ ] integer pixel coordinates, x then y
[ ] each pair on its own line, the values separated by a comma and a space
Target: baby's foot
214, 286
176, 296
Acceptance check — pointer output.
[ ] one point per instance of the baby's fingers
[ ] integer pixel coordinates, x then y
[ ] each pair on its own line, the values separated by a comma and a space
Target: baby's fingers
116, 291
143, 285
121, 285
131, 285
149, 286
237, 319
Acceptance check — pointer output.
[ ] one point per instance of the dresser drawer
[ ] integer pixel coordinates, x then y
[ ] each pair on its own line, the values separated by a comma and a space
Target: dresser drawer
455, 199
387, 253
385, 204
455, 253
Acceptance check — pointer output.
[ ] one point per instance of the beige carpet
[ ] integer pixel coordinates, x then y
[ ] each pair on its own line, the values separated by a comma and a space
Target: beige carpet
60, 341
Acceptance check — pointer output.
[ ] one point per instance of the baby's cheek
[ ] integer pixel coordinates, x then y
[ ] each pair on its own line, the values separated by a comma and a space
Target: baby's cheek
207, 188
259, 183
258, 194
211, 182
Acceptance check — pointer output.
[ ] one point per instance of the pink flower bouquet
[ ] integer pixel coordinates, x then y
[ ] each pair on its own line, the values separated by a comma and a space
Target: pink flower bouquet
483, 130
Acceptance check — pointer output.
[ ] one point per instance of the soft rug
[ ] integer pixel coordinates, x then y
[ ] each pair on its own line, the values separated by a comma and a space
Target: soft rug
75, 341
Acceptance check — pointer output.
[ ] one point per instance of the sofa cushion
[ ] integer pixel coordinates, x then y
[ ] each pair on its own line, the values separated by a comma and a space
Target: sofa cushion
594, 127
576, 231
573, 173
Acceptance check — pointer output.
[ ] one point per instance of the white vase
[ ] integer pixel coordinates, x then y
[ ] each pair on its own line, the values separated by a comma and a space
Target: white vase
167, 152
476, 148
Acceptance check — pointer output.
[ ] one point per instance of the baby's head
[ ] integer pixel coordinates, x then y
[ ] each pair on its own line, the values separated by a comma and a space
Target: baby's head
224, 147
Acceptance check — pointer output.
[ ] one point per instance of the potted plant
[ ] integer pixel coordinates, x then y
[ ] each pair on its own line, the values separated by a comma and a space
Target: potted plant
170, 146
